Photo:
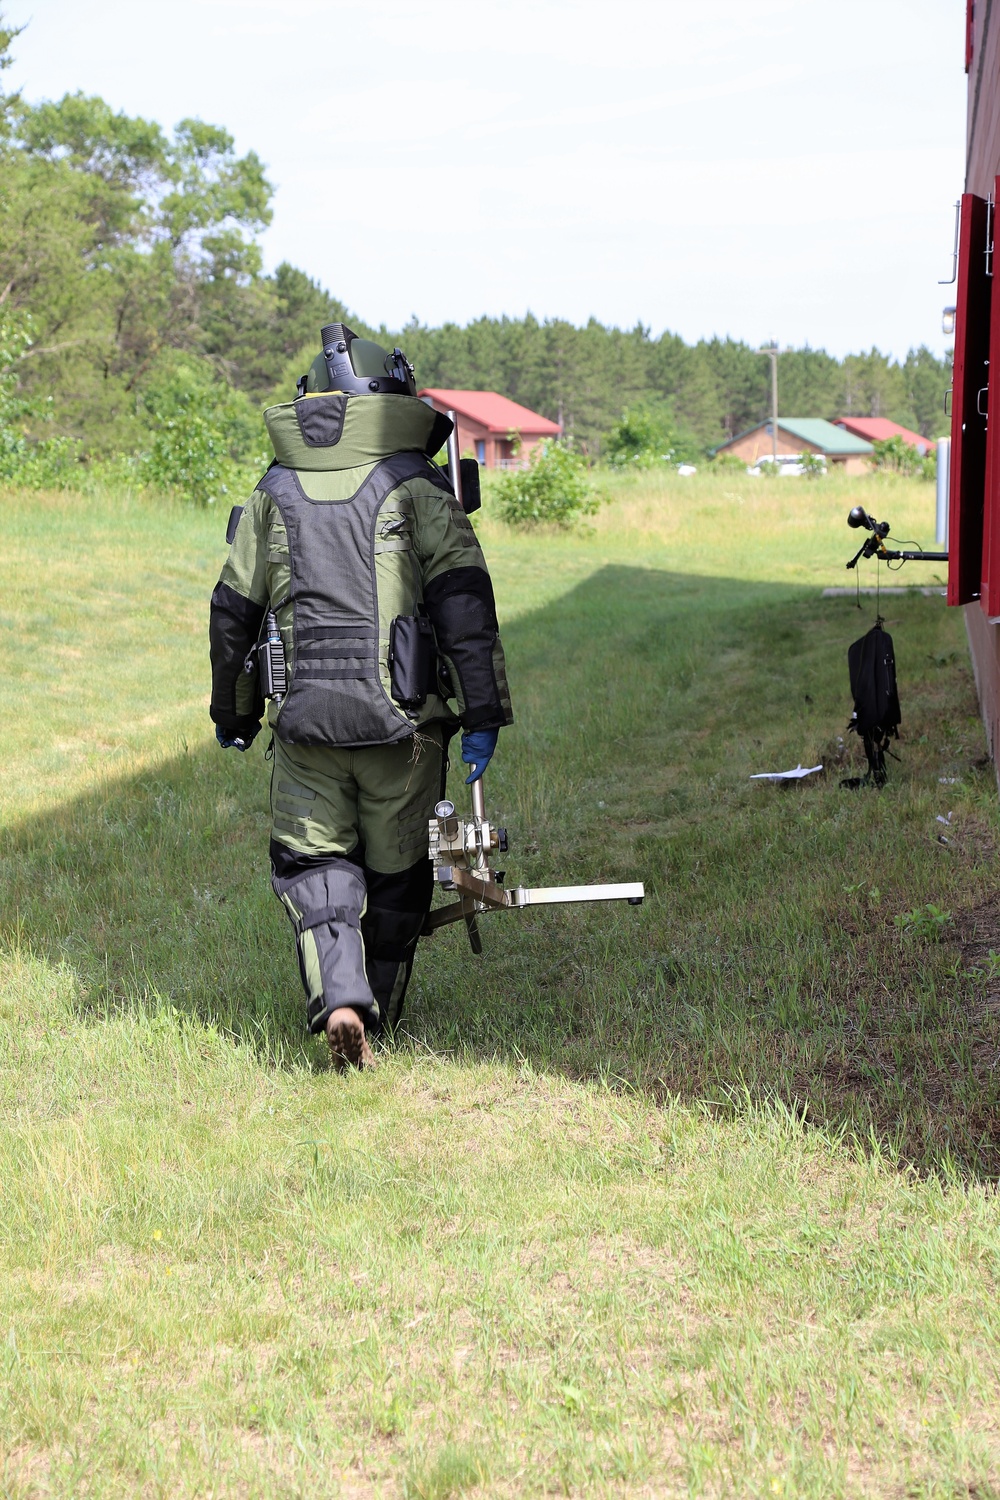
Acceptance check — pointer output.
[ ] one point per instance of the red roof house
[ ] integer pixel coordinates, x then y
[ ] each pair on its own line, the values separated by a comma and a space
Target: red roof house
878, 429
497, 430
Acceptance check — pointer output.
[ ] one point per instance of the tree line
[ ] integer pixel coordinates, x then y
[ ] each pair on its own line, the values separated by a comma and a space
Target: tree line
703, 393
134, 307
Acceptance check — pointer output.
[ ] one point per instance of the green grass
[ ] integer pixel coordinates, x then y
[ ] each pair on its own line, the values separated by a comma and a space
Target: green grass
696, 1199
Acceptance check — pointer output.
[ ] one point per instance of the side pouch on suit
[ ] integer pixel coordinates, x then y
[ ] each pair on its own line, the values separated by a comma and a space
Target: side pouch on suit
472, 497
412, 659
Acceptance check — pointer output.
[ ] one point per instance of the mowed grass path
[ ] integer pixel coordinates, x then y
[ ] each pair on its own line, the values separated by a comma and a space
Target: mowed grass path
695, 1199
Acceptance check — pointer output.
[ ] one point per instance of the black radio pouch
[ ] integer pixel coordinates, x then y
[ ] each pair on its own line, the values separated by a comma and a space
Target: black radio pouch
412, 660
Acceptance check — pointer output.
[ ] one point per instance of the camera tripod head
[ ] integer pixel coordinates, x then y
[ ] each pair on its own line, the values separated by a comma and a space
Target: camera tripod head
860, 517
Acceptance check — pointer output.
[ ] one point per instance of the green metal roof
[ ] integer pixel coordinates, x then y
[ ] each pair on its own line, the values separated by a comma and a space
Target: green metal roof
815, 430
824, 435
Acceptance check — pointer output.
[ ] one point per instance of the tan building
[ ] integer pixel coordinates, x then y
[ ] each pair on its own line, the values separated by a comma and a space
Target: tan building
802, 435
491, 427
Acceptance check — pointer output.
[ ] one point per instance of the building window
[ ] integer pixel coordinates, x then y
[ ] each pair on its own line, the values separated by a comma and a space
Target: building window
481, 450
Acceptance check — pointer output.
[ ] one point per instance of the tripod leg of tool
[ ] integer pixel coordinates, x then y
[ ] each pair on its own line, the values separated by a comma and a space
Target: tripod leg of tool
475, 937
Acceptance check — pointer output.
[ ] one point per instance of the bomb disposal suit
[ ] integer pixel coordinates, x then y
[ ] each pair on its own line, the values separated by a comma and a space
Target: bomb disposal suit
355, 541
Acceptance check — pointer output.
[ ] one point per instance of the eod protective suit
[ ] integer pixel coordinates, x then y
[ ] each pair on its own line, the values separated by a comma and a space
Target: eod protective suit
356, 542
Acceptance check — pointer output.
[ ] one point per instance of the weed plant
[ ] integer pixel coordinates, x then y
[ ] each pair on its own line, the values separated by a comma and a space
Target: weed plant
694, 1199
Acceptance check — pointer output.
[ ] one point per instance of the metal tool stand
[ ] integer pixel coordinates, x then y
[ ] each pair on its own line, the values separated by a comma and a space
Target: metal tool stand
875, 544
460, 852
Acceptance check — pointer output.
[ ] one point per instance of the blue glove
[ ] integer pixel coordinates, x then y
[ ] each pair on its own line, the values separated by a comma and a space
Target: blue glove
478, 746
229, 741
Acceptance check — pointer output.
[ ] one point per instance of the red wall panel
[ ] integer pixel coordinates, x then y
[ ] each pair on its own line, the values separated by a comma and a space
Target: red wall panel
968, 420
989, 596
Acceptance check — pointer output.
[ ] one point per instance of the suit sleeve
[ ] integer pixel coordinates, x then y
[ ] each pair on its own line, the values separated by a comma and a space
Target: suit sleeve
458, 598
239, 603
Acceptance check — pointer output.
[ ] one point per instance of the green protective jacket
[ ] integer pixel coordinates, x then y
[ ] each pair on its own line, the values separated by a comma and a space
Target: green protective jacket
352, 528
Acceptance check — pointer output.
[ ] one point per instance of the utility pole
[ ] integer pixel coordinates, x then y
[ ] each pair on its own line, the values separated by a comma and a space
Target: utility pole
772, 351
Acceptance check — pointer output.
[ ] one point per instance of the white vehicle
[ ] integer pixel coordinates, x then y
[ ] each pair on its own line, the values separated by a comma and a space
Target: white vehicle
789, 464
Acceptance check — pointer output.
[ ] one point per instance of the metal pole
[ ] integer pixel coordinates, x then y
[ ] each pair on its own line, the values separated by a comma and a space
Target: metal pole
454, 456
943, 489
482, 860
772, 351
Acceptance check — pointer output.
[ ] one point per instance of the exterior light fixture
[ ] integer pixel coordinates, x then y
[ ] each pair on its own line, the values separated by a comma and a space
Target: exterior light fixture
948, 320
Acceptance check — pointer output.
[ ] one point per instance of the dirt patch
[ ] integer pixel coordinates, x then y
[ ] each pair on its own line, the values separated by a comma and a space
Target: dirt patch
978, 933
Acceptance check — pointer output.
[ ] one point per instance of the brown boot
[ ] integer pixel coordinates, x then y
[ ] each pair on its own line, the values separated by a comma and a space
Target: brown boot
345, 1031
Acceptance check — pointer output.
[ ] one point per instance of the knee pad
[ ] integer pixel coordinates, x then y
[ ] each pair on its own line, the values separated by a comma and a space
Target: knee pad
324, 904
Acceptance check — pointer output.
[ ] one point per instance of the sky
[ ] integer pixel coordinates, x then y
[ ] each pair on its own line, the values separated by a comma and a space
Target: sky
765, 169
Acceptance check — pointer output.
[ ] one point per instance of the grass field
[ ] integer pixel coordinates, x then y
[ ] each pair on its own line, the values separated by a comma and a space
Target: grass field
695, 1199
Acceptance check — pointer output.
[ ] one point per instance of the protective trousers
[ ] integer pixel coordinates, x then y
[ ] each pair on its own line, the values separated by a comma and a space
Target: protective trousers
349, 864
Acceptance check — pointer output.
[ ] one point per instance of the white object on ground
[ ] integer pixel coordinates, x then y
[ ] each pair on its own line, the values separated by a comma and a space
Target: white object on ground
795, 775
686, 469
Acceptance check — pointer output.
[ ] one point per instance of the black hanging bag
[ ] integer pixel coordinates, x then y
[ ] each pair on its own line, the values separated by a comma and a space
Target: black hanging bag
876, 713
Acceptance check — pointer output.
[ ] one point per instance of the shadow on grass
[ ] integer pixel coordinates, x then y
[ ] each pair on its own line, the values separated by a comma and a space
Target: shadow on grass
766, 961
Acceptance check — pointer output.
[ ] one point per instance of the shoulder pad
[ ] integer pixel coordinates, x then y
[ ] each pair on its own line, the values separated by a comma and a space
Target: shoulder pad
234, 521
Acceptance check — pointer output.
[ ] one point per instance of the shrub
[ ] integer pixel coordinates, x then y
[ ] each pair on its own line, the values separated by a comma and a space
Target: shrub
38, 463
895, 455
636, 439
813, 466
645, 436
554, 488
204, 433
769, 468
726, 463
